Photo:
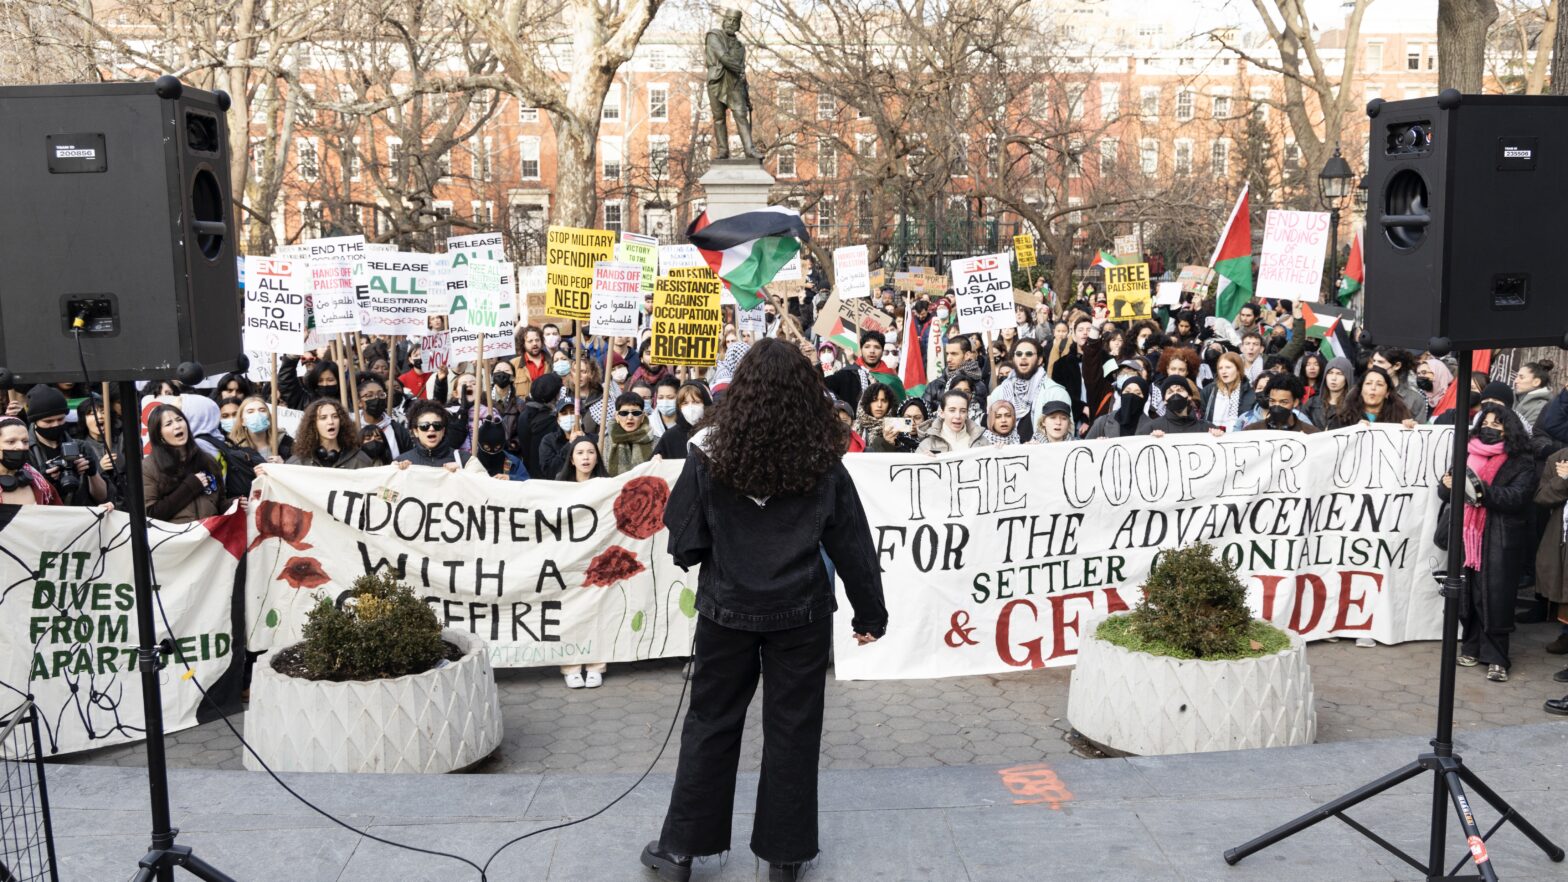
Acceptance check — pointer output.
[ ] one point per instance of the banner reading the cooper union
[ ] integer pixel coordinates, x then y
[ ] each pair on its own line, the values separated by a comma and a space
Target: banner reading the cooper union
998, 560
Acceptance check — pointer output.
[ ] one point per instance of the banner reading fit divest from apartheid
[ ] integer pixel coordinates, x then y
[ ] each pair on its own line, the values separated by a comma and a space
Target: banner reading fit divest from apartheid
547, 573
68, 628
1000, 560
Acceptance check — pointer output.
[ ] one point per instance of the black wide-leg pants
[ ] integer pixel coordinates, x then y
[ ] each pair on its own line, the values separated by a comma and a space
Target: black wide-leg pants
793, 665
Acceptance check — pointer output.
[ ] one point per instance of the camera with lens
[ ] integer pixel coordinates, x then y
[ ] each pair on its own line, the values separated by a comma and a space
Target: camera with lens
70, 452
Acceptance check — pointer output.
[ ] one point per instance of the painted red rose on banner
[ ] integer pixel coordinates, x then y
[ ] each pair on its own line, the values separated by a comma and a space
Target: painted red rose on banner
639, 510
304, 572
279, 520
614, 565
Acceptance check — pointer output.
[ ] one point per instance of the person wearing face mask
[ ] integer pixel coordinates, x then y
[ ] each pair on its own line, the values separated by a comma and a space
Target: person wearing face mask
555, 449
374, 410
20, 483
1130, 414
245, 450
620, 376
666, 410
507, 400
1282, 400
492, 454
328, 438
373, 443
552, 338
1498, 492
464, 406
692, 403
1181, 412
537, 422
298, 386
63, 463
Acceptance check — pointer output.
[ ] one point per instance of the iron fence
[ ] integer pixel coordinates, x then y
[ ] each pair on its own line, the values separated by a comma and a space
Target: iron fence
26, 835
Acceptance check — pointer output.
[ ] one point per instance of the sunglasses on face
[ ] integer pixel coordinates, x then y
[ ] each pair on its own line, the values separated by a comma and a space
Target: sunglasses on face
430, 427
628, 413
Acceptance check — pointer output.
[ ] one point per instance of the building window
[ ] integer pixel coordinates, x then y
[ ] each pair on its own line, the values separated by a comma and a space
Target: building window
1149, 102
443, 159
1110, 101
659, 102
526, 114
610, 157
527, 223
866, 146
614, 215
1219, 158
528, 152
960, 164
483, 214
307, 105
1075, 101
1373, 90
310, 220
1039, 100
1149, 156
1220, 108
442, 230
612, 103
1412, 56
1182, 157
345, 93
701, 153
659, 155
1184, 105
827, 158
309, 160
826, 107
351, 159
786, 100
395, 155
1075, 158
863, 213
1109, 148
258, 158
1374, 56
480, 102
383, 220
825, 217
784, 159
1260, 104
657, 58
699, 103
479, 148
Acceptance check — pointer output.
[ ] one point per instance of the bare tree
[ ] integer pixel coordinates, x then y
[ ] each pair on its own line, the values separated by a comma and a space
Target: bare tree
1559, 79
1520, 45
1462, 26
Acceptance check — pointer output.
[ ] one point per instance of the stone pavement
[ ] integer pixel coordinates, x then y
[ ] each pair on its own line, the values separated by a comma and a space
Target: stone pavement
1155, 818
1019, 717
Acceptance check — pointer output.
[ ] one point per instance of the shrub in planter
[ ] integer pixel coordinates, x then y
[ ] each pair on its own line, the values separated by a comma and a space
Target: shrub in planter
383, 630
1193, 607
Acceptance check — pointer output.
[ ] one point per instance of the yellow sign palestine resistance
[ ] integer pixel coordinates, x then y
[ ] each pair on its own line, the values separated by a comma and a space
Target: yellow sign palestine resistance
1023, 250
1127, 292
687, 321
570, 253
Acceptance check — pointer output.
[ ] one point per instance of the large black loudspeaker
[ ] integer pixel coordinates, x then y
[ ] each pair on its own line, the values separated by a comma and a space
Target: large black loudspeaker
1467, 219
115, 216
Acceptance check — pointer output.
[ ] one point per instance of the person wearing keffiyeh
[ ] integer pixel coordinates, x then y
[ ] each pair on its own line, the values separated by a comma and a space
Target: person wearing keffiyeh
726, 368
1001, 425
1497, 492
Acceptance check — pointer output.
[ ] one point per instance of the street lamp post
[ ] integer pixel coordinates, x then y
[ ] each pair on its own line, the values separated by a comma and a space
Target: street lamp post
1334, 183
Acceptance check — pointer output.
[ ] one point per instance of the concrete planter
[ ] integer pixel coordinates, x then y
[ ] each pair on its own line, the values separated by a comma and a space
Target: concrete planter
1149, 705
439, 721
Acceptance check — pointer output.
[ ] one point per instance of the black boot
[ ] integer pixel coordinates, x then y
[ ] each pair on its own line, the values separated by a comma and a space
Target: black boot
671, 866
786, 872
1559, 646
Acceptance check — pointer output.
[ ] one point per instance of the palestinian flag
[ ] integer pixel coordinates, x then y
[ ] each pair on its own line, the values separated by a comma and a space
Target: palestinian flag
1355, 273
1480, 366
1103, 258
748, 249
887, 377
912, 362
1232, 260
1332, 327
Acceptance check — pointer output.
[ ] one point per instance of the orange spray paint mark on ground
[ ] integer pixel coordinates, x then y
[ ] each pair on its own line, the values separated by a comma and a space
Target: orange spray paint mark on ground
1035, 784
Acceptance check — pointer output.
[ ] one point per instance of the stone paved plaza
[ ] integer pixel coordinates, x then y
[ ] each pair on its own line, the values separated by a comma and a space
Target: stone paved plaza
1362, 693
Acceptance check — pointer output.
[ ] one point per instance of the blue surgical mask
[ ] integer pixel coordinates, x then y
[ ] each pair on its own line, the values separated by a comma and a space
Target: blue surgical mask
568, 422
257, 423
666, 406
226, 424
562, 368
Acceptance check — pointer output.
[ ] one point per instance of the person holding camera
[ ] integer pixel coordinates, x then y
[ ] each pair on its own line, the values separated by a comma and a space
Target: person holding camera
62, 460
180, 481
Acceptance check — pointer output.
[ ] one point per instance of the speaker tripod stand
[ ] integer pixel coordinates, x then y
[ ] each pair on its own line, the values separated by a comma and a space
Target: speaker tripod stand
164, 856
1450, 774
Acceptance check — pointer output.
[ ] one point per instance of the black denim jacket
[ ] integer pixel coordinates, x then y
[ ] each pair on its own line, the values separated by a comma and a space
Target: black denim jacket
762, 567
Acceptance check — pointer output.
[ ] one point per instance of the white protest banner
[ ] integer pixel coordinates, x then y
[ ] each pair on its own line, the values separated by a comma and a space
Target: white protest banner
68, 622
460, 250
397, 286
442, 286
1002, 559
752, 320
346, 248
983, 288
851, 272
275, 304
531, 284
617, 299
260, 369
333, 296
433, 352
1128, 244
1167, 294
678, 256
790, 272
546, 573
1291, 266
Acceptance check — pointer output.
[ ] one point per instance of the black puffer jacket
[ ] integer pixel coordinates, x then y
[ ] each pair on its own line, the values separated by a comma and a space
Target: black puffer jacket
762, 566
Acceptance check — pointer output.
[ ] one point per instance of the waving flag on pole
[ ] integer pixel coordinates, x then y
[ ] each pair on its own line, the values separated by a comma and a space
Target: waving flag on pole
912, 362
1355, 273
748, 249
1232, 261
1103, 258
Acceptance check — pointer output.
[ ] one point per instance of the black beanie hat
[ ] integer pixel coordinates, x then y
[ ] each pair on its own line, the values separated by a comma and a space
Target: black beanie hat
546, 388
1495, 390
47, 401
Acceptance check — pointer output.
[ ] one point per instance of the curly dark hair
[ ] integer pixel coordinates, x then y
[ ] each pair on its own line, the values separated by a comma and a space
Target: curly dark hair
306, 442
776, 433
1516, 438
875, 391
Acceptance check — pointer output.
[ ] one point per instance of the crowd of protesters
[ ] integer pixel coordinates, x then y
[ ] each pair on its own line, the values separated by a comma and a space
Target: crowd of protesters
568, 408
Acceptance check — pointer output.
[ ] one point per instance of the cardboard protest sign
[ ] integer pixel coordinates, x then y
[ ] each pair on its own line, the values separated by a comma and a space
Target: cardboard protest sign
531, 284
1167, 294
617, 299
864, 315
688, 321
275, 293
1291, 266
983, 287
433, 349
397, 286
1023, 249
333, 298
68, 623
1027, 547
1127, 293
570, 253
852, 272
1129, 245
1195, 279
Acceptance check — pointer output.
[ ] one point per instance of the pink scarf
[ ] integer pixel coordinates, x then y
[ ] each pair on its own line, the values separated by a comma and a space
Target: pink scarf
1485, 460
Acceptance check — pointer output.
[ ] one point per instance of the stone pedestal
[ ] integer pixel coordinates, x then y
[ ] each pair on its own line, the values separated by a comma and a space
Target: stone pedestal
733, 186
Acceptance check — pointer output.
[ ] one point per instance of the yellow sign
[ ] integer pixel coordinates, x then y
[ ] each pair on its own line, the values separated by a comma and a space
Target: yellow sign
690, 272
1127, 292
570, 253
878, 278
687, 321
1023, 250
